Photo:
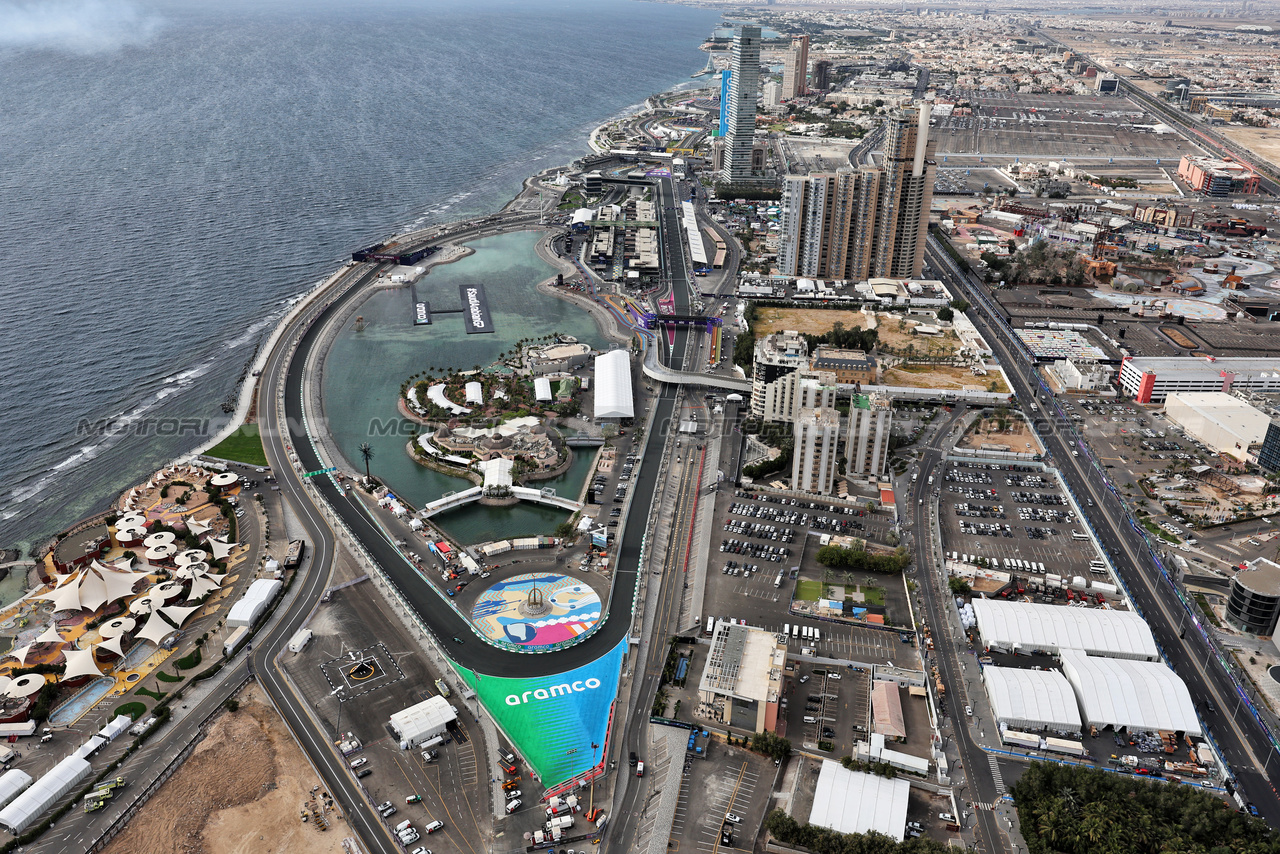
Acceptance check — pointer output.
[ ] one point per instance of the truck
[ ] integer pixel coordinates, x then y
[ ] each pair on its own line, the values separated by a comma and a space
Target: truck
560, 822
442, 687
299, 641
234, 641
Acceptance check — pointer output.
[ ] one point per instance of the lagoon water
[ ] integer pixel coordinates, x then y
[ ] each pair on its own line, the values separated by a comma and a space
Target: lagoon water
365, 369
174, 171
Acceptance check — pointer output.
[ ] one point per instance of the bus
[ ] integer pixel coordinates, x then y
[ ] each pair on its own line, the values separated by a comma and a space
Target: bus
795, 630
817, 635
711, 624
777, 582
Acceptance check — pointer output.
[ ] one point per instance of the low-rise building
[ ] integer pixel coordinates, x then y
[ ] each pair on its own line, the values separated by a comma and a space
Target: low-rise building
1253, 605
1215, 177
1222, 422
849, 366
741, 683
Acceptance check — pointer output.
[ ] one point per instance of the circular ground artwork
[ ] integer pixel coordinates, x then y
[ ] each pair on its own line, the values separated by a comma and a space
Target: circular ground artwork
561, 609
1196, 310
1275, 672
1274, 284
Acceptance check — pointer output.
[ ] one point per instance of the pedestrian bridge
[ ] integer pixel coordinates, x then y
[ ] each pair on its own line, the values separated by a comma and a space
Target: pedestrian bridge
660, 372
469, 496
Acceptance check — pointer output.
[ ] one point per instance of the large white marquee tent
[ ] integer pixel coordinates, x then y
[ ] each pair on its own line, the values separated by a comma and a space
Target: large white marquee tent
1024, 626
1140, 695
613, 385
1031, 699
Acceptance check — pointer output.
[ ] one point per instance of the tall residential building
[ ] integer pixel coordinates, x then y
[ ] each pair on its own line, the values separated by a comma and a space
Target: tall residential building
740, 118
786, 396
772, 94
813, 462
828, 224
821, 75
795, 71
863, 223
866, 449
776, 356
909, 168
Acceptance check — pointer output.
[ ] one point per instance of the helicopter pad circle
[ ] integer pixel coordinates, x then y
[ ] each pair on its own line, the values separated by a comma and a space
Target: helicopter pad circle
573, 609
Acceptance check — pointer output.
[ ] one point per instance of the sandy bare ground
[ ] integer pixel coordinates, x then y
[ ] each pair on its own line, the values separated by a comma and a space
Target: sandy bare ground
240, 792
1016, 437
1264, 141
941, 377
816, 321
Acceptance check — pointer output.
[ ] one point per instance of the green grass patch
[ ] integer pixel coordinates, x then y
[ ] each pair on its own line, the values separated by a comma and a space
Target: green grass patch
147, 692
809, 591
242, 446
133, 709
1160, 532
189, 661
872, 596
168, 677
1208, 611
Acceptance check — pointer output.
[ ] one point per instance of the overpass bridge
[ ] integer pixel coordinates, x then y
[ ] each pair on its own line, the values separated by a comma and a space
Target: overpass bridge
454, 500
656, 370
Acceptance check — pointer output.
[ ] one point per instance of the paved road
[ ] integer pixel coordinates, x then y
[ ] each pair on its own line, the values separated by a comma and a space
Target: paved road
1237, 733
981, 786
628, 794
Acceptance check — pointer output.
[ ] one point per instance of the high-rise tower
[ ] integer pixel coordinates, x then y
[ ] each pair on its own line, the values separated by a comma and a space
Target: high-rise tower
740, 118
796, 70
903, 216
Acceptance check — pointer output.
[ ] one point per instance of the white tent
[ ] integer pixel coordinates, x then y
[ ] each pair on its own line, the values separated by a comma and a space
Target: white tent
113, 644
614, 398
142, 605
221, 548
80, 662
1140, 695
50, 635
223, 479
190, 556
156, 629
179, 614
198, 528
201, 587
65, 598
20, 653
159, 538
1031, 699
32, 803
12, 784
1023, 627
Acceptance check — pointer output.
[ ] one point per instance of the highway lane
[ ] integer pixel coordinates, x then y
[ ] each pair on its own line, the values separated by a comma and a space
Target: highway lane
1239, 737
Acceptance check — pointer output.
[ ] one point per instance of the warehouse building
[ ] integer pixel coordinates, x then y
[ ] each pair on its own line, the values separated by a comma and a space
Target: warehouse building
1253, 604
855, 802
1127, 694
1031, 699
1025, 627
1150, 379
419, 724
1221, 422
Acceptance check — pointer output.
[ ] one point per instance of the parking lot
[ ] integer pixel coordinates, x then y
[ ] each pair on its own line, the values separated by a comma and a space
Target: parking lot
736, 783
1000, 512
1049, 126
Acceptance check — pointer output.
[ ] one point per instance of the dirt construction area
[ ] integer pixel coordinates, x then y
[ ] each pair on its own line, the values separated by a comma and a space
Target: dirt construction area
241, 792
810, 321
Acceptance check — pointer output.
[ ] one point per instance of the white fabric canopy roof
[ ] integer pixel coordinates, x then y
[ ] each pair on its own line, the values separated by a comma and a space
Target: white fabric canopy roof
1024, 626
1032, 699
20, 653
190, 556
613, 385
50, 635
65, 598
221, 548
200, 587
198, 528
80, 662
159, 538
113, 644
179, 614
156, 629
117, 626
25, 685
1140, 695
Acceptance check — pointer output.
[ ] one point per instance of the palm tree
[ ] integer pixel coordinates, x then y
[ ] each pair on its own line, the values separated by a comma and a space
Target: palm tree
366, 451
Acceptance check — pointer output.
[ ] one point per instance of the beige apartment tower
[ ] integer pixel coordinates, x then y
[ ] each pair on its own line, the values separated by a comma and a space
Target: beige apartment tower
856, 224
813, 463
866, 449
795, 72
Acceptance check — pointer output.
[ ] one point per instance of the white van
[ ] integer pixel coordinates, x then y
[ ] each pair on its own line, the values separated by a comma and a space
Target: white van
512, 806
817, 635
1042, 569
810, 719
